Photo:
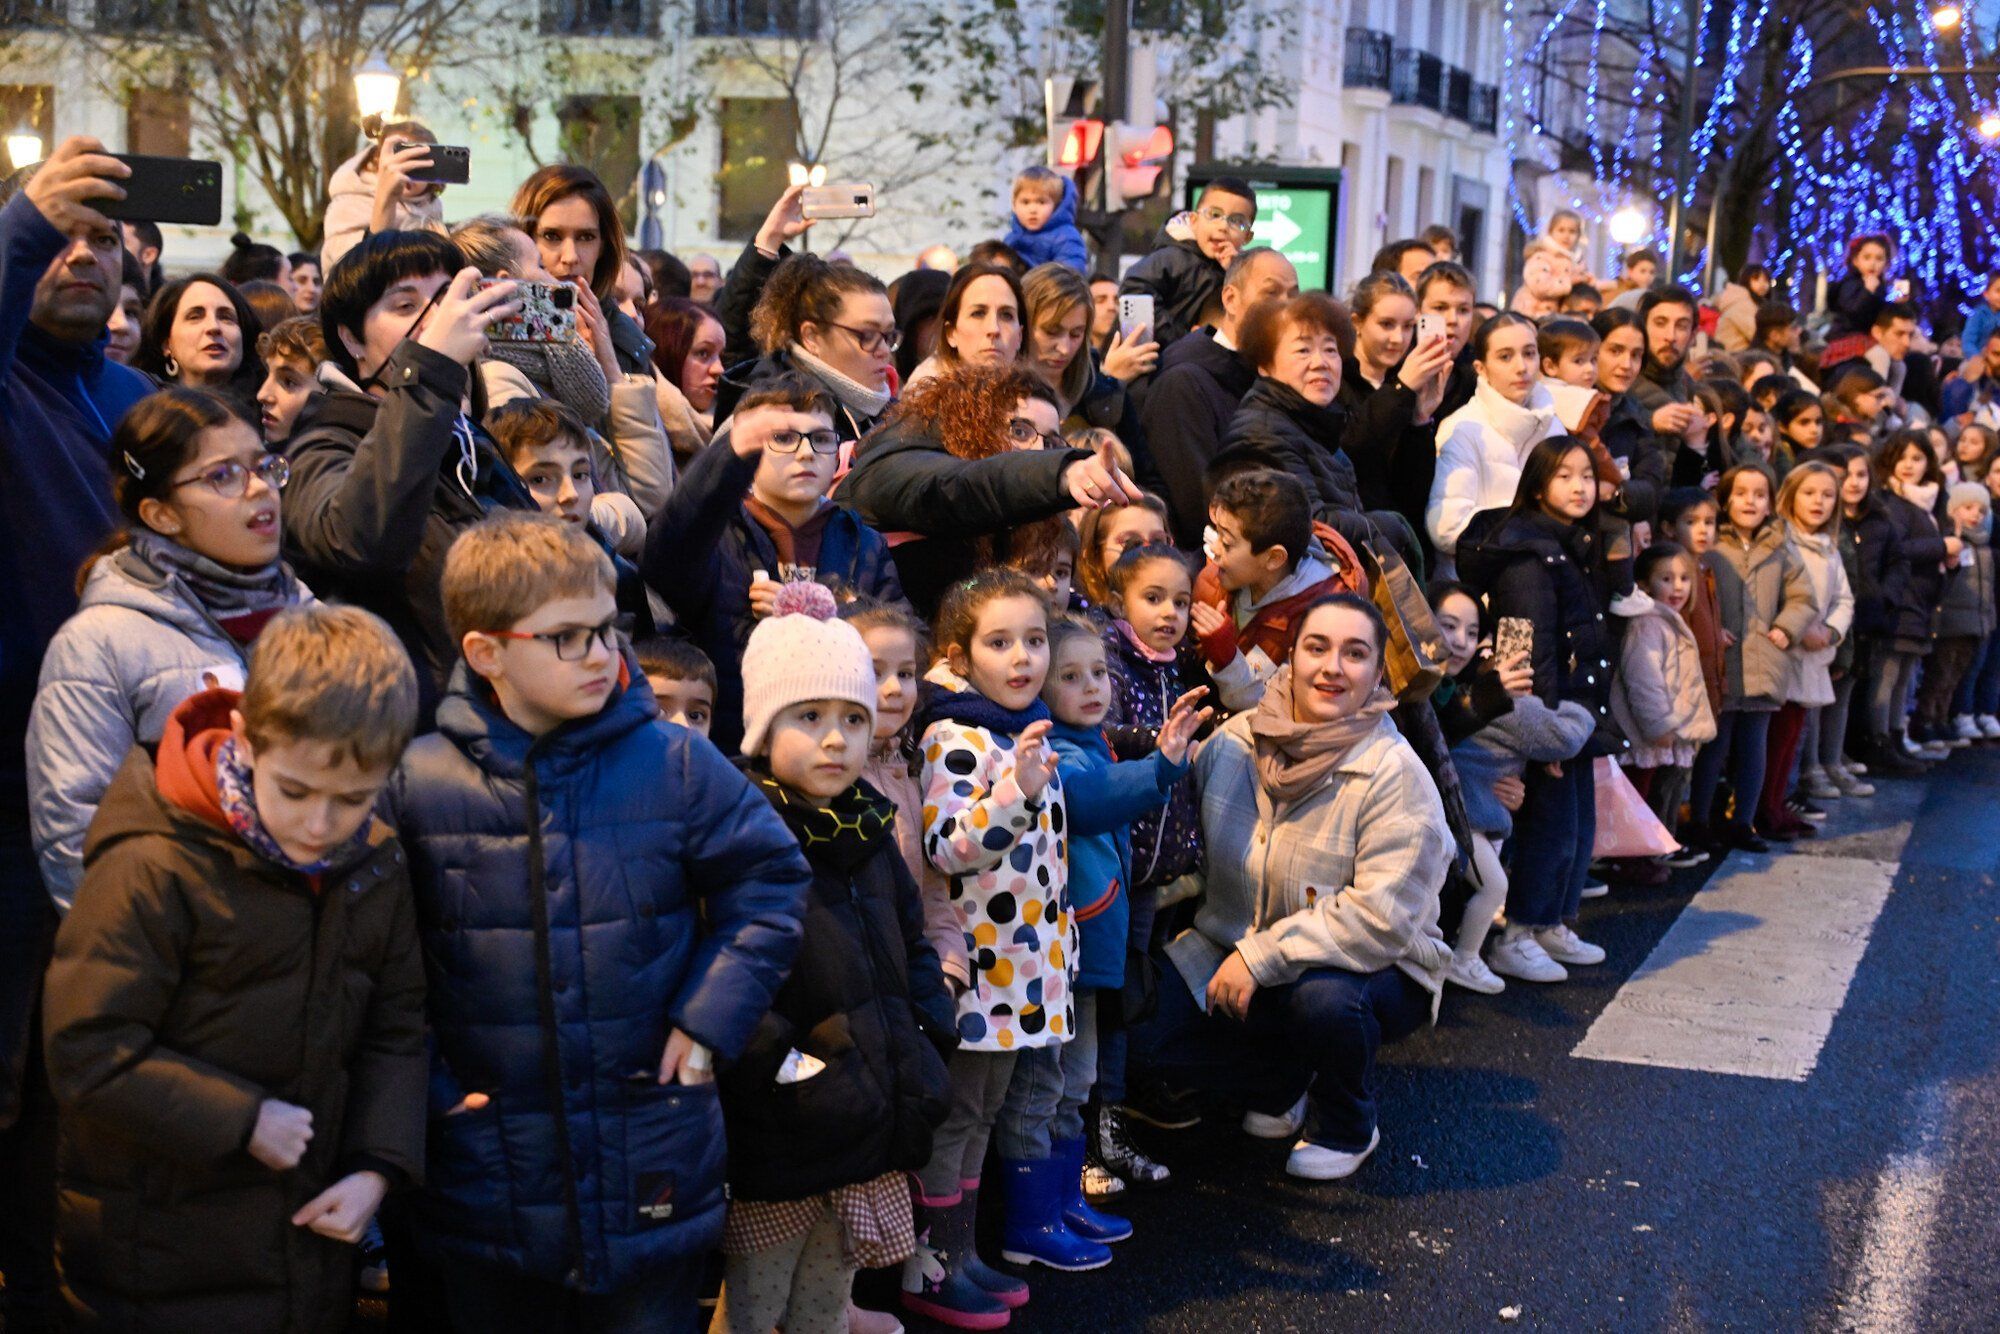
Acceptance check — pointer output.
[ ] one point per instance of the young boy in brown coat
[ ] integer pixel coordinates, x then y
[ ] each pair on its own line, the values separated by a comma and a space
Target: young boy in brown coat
234, 1015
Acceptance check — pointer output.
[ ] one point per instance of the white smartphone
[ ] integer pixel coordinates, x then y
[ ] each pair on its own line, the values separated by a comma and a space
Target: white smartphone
845, 200
1135, 316
1430, 326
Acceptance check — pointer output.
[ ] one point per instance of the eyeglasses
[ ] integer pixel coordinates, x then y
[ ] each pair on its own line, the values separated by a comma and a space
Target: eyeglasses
786, 443
1236, 222
232, 480
573, 644
870, 339
1024, 432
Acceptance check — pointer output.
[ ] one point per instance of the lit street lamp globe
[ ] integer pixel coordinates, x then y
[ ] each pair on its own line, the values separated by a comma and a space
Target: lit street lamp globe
1627, 225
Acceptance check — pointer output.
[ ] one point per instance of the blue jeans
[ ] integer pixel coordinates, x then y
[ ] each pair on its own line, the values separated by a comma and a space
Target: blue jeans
1979, 689
1739, 742
1553, 834
1316, 1035
1050, 1085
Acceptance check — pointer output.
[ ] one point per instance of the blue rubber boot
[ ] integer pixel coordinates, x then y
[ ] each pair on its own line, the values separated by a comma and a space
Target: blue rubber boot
1035, 1232
1083, 1220
1009, 1291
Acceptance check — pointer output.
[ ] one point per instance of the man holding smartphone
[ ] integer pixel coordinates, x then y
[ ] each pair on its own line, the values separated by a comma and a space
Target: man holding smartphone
61, 262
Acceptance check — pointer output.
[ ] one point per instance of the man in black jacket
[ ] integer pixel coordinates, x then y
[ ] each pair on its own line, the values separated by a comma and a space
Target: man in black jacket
1201, 380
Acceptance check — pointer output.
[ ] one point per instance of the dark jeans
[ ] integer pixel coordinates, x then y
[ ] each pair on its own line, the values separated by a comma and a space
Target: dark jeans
485, 1299
1951, 660
1316, 1035
1112, 1047
1549, 859
1979, 693
1740, 739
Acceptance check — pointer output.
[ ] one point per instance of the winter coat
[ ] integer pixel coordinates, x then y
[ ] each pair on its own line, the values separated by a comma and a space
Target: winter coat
1109, 405
1657, 386
1760, 585
1851, 308
688, 431
1165, 841
1536, 567
1466, 703
192, 981
1008, 866
704, 547
1902, 554
582, 895
1703, 614
350, 204
1849, 548
1276, 427
1981, 322
1394, 455
1104, 797
888, 772
1658, 688
734, 303
1264, 628
904, 481
1481, 449
1529, 733
1059, 241
1966, 608
1181, 279
865, 997
1187, 412
1808, 672
1348, 877
139, 645
1736, 317
379, 491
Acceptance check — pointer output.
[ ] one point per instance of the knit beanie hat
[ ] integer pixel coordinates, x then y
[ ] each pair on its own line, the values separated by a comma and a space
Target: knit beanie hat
1961, 492
802, 651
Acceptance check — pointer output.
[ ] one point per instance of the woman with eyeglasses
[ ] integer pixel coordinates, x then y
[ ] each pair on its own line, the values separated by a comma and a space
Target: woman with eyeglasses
964, 466
750, 515
170, 607
831, 322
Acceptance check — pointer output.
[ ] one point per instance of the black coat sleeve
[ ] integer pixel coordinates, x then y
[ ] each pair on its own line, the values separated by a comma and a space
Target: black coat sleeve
1185, 433
680, 562
937, 494
739, 297
1527, 588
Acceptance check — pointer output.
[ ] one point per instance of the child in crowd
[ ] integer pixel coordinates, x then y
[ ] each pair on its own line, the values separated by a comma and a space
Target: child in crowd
1983, 319
1184, 278
1105, 535
1045, 230
1825, 771
549, 446
1046, 552
1905, 552
1765, 605
995, 822
1809, 513
1153, 667
1688, 518
1103, 799
1757, 440
750, 517
1265, 565
682, 678
628, 932
838, 1092
1565, 229
1475, 695
1659, 696
235, 1028
1965, 617
291, 353
1971, 451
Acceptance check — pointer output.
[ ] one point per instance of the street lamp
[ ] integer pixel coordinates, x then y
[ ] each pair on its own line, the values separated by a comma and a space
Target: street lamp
1627, 225
1946, 18
801, 174
1989, 126
376, 90
24, 147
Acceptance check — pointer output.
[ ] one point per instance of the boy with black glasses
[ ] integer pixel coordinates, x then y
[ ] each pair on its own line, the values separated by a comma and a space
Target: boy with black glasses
1184, 278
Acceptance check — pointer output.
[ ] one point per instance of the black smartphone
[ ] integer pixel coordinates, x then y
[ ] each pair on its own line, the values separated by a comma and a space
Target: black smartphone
451, 164
167, 189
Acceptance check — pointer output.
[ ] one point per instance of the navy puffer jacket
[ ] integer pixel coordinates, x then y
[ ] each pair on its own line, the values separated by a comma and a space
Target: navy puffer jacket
581, 895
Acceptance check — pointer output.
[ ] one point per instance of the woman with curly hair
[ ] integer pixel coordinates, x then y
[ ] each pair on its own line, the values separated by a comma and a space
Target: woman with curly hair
963, 459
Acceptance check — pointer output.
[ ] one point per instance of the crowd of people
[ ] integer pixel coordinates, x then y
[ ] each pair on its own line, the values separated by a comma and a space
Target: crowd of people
509, 816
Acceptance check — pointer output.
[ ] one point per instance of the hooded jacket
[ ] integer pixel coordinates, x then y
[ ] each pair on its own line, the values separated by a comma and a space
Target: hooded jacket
1277, 427
1183, 282
1902, 559
350, 203
1808, 674
1760, 585
1658, 688
581, 895
193, 980
904, 481
1966, 609
703, 549
1186, 413
1481, 450
1058, 242
379, 490
139, 645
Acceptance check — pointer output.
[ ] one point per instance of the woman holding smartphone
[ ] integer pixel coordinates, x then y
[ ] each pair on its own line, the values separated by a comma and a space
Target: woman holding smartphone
1390, 387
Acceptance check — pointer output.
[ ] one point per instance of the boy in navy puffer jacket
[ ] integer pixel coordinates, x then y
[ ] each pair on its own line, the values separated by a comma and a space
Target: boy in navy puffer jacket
606, 905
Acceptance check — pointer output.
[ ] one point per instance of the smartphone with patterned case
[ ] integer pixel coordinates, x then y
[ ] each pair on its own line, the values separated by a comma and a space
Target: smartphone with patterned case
548, 314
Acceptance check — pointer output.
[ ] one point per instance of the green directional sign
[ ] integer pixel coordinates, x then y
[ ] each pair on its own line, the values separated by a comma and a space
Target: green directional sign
1297, 210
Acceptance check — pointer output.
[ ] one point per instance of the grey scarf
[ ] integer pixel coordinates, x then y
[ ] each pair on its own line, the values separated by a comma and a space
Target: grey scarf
853, 395
566, 372
223, 590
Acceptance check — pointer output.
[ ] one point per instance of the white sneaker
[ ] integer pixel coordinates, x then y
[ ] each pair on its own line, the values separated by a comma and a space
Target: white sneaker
1563, 945
1989, 726
1594, 889
1818, 784
1520, 956
1263, 1125
1967, 728
1852, 765
1470, 971
1316, 1162
1935, 750
1844, 779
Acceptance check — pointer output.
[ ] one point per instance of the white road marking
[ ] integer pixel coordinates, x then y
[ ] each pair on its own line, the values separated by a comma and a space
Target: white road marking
1885, 1292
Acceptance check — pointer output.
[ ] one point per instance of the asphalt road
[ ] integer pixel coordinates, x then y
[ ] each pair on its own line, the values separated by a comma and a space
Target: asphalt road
1520, 1186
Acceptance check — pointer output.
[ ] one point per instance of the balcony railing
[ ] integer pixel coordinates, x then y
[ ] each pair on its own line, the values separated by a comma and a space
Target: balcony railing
140, 17
1368, 56
1416, 78
33, 13
1485, 108
1457, 93
757, 18
599, 18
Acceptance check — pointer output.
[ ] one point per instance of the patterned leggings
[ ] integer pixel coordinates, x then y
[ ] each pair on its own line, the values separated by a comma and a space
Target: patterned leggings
801, 1285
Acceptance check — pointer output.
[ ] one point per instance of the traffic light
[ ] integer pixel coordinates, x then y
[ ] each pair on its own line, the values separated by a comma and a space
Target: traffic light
1134, 156
1080, 145
1074, 135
